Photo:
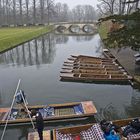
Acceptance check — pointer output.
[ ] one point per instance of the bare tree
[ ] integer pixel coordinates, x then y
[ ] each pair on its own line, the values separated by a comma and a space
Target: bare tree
20, 11
0, 12
14, 12
78, 13
42, 11
50, 5
34, 11
27, 11
108, 5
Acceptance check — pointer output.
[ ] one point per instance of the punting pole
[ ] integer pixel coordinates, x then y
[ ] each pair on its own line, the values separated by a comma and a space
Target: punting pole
10, 110
27, 110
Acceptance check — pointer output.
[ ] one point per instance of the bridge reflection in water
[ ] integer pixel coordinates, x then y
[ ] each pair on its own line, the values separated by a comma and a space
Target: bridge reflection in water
76, 28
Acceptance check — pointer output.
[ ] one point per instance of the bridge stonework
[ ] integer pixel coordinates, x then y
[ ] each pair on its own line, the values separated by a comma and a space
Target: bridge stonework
66, 28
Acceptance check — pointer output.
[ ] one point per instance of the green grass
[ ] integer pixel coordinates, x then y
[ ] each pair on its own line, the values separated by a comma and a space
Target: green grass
103, 29
11, 37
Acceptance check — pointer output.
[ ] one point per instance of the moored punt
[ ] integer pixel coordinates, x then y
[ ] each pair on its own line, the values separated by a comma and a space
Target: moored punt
86, 66
84, 71
82, 131
34, 135
93, 71
93, 68
90, 63
108, 54
94, 77
92, 131
85, 59
50, 113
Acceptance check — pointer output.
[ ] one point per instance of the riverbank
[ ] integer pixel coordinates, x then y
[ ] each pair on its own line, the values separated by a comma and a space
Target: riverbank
125, 55
11, 37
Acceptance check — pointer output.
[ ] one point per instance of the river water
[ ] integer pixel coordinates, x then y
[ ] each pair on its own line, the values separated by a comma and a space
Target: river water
38, 64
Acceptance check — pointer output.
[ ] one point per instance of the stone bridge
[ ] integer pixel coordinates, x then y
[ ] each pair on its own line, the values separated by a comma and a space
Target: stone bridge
76, 28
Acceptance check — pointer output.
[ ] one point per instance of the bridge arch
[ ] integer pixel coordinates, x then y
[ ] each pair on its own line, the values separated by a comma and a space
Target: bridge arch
74, 28
61, 28
87, 28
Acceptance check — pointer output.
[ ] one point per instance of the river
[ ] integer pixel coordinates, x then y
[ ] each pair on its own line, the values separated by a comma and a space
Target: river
38, 64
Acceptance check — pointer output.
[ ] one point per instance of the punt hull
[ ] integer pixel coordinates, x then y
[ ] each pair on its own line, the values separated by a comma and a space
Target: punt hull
61, 112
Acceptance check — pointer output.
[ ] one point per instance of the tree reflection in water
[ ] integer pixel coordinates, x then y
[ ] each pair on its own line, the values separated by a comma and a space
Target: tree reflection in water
35, 52
83, 38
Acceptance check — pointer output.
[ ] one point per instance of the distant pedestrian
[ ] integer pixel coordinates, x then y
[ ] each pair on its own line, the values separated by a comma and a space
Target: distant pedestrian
39, 123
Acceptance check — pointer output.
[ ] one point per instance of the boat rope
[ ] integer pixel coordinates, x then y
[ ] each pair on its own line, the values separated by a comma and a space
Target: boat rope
27, 110
9, 113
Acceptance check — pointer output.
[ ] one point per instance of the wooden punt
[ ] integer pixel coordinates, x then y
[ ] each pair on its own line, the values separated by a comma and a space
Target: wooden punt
93, 71
92, 66
75, 131
84, 71
34, 135
90, 63
89, 59
94, 77
97, 71
108, 54
50, 113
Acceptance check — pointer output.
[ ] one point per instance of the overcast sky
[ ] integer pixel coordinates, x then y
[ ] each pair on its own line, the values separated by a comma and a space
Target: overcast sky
72, 3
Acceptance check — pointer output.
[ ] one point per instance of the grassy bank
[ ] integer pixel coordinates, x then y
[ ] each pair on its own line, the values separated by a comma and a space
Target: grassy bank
104, 28
137, 78
10, 37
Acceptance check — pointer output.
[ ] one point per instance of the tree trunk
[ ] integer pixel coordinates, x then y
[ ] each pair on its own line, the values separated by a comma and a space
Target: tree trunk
34, 12
0, 12
48, 12
137, 4
27, 12
42, 11
14, 12
21, 16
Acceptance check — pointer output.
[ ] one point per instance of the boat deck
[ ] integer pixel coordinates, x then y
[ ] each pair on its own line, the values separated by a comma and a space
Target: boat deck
51, 113
34, 135
64, 111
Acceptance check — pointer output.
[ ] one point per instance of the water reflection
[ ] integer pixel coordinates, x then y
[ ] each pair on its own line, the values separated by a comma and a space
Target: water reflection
83, 38
43, 86
39, 51
109, 112
133, 109
61, 39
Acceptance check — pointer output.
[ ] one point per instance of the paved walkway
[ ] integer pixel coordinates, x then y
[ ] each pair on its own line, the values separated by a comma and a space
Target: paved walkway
126, 57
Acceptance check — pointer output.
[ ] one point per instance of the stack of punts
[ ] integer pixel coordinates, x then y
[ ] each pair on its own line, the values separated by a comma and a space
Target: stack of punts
93, 69
50, 113
86, 132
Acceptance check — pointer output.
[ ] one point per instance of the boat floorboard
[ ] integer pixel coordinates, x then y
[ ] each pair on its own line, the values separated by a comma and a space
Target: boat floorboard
34, 135
64, 111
